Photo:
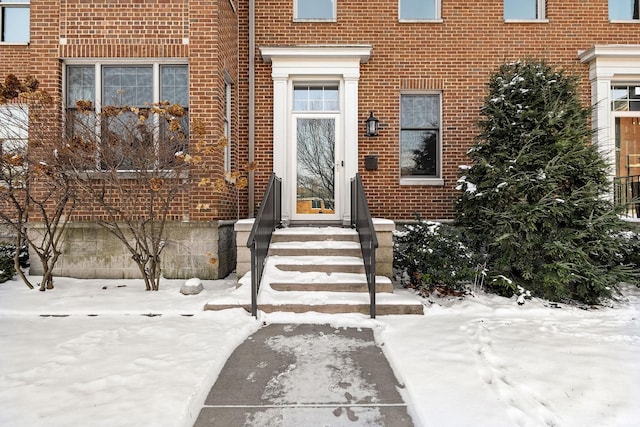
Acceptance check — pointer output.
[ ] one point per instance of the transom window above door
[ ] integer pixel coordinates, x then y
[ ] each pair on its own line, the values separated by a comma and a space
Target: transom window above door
625, 97
315, 97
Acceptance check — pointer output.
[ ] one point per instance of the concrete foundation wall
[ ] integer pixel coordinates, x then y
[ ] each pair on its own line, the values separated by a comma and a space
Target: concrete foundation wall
193, 249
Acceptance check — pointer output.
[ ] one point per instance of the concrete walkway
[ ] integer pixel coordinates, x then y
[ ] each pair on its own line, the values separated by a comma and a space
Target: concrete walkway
306, 375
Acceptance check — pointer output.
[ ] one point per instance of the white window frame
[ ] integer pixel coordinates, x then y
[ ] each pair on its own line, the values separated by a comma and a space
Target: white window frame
420, 180
17, 138
20, 5
332, 19
623, 21
437, 15
227, 123
98, 88
541, 11
615, 114
321, 113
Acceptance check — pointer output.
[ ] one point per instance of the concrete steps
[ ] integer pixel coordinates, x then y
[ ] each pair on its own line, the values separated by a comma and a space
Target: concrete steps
320, 269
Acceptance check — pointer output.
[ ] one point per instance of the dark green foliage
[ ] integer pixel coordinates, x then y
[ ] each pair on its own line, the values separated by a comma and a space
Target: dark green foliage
7, 251
630, 248
430, 255
534, 200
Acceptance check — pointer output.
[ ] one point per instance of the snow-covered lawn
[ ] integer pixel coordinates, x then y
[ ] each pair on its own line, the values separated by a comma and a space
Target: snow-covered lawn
107, 353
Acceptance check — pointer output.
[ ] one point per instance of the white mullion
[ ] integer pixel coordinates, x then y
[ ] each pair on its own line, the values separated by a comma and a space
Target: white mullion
541, 9
156, 117
97, 96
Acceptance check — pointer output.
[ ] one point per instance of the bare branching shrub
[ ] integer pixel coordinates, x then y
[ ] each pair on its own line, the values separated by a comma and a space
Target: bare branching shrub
129, 166
135, 170
33, 184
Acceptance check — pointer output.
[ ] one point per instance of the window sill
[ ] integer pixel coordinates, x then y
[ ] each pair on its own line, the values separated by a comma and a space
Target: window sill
127, 174
420, 21
14, 43
526, 21
422, 181
624, 21
327, 20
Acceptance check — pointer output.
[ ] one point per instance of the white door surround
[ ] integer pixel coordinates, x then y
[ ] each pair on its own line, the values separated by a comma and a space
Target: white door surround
608, 64
339, 64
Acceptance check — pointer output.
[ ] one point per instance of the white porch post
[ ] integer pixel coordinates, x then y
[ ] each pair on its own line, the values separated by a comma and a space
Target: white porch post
350, 139
280, 114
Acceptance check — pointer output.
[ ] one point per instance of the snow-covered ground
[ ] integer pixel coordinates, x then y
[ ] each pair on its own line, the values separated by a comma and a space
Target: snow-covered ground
108, 353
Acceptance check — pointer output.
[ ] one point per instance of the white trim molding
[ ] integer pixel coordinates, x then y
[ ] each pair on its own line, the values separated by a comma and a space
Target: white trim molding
278, 53
608, 64
339, 62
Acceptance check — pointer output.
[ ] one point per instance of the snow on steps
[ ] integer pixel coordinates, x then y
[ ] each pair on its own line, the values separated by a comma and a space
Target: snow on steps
318, 269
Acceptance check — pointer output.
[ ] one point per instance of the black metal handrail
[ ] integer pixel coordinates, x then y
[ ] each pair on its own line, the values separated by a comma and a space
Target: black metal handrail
361, 220
626, 193
268, 219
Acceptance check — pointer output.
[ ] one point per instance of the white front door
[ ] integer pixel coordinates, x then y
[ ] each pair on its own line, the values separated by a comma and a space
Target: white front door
317, 182
315, 179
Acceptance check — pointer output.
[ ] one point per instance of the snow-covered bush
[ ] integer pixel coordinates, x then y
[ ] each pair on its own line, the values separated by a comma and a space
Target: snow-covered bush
534, 199
630, 248
429, 255
7, 252
6, 263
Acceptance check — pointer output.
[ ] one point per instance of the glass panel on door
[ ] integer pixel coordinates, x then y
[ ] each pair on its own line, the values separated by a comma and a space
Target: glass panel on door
315, 166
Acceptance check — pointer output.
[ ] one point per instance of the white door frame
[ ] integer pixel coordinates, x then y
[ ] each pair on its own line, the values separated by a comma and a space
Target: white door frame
291, 63
337, 167
608, 64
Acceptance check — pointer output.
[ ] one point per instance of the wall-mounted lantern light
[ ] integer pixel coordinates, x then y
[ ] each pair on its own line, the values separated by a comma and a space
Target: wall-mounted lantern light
372, 125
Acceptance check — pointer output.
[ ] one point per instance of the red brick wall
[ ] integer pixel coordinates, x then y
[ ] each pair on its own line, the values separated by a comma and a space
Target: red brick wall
203, 33
456, 56
14, 60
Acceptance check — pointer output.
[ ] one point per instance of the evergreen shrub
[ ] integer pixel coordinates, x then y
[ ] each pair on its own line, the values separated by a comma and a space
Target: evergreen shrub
7, 270
430, 255
534, 199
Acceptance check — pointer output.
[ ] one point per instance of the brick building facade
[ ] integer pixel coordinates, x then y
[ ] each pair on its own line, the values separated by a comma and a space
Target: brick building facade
292, 81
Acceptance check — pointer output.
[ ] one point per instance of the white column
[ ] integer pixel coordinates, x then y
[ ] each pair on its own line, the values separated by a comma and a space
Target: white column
350, 140
603, 122
280, 154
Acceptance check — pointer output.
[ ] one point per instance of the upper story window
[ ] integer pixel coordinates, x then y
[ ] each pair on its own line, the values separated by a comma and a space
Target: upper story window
419, 10
524, 10
420, 135
109, 87
624, 10
314, 10
14, 21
